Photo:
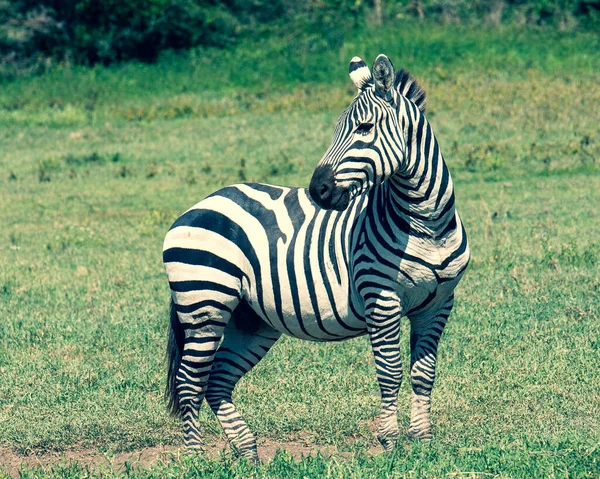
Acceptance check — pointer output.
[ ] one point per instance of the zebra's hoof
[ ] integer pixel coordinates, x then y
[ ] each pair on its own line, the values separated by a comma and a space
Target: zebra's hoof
252, 458
197, 448
249, 453
387, 442
420, 435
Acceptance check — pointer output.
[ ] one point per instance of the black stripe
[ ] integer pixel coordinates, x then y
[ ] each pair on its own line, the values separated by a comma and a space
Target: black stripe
202, 258
356, 65
187, 286
190, 308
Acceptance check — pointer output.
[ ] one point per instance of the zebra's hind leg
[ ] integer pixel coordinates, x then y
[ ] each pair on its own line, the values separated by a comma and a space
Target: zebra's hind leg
426, 331
202, 332
242, 348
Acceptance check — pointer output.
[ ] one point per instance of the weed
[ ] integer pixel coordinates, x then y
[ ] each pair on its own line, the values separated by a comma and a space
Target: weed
152, 170
14, 238
87, 159
159, 218
124, 171
571, 254
7, 286
190, 177
46, 166
242, 170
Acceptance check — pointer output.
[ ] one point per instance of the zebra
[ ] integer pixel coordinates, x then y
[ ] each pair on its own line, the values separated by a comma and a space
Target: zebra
376, 237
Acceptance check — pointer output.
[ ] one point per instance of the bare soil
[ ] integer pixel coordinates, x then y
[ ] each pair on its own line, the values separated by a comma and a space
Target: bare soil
12, 462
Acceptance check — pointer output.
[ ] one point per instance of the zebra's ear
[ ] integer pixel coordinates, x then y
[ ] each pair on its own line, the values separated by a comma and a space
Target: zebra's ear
359, 73
383, 75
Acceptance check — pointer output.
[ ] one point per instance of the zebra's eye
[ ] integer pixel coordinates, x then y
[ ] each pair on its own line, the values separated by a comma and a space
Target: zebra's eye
364, 128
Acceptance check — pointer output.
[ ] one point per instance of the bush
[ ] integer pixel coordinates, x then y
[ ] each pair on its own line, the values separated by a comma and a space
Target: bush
562, 14
105, 31
95, 31
114, 30
27, 36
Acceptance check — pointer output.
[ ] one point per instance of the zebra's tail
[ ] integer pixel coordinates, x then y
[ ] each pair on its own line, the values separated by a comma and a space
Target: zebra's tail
174, 350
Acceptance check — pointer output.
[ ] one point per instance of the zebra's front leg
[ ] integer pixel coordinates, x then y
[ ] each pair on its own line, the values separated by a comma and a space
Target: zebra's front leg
384, 332
426, 331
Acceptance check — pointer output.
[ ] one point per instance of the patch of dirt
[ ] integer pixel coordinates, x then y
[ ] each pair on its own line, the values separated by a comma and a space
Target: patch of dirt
12, 462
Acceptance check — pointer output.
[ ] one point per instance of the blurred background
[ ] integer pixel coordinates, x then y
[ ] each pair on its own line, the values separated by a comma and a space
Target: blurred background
35, 34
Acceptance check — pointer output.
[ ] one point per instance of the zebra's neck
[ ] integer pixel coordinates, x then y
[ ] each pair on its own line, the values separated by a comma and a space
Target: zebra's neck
421, 195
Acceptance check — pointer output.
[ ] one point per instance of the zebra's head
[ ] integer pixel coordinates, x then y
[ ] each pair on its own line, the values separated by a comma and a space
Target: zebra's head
368, 144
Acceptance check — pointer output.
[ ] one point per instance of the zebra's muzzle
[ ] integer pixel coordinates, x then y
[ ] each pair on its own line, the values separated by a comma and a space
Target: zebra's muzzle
325, 193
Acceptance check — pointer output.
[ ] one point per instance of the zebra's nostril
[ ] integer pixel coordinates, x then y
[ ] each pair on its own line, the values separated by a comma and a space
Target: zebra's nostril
322, 186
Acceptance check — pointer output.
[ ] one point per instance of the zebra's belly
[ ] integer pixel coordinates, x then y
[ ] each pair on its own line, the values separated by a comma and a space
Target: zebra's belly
311, 316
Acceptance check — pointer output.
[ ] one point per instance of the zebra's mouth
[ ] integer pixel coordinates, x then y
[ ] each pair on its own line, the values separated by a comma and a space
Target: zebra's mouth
324, 191
341, 201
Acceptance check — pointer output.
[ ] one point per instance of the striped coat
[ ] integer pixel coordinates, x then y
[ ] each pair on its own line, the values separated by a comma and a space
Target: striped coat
375, 238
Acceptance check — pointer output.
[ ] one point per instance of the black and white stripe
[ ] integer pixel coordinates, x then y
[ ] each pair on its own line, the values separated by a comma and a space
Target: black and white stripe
374, 239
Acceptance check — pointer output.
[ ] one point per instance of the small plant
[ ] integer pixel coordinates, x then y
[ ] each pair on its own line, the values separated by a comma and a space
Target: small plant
45, 167
15, 239
7, 286
170, 168
573, 255
90, 103
190, 177
242, 170
158, 217
154, 220
124, 172
91, 158
152, 170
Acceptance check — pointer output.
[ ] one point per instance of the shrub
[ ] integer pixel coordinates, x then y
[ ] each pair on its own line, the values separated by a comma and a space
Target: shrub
105, 31
27, 36
562, 14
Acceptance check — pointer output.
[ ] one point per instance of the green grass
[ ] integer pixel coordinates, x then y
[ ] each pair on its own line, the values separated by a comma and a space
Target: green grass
281, 74
96, 163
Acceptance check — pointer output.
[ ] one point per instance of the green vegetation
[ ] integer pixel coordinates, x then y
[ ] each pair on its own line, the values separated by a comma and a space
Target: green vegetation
36, 34
97, 162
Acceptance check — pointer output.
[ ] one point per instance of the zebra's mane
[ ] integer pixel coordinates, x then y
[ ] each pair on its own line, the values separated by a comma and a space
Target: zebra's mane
406, 85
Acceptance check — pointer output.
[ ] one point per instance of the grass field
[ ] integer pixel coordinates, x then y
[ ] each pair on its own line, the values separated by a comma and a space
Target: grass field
96, 163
